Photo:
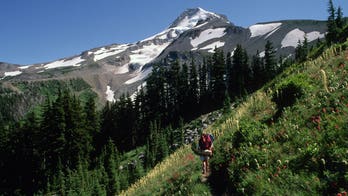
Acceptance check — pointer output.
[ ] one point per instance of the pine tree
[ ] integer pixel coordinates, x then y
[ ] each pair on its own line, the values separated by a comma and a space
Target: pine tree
227, 104
331, 36
91, 120
342, 32
29, 144
339, 20
106, 125
301, 51
183, 90
112, 163
247, 72
53, 141
156, 95
218, 85
140, 107
238, 82
229, 73
270, 61
193, 92
203, 86
258, 71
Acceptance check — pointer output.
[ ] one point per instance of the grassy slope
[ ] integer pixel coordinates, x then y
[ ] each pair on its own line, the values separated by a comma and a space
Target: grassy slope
304, 151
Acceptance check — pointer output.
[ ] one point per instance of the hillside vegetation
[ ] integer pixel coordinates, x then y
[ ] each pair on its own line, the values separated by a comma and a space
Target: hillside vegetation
288, 137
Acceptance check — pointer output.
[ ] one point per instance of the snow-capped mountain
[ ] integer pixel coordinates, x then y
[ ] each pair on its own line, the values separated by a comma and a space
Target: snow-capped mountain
119, 68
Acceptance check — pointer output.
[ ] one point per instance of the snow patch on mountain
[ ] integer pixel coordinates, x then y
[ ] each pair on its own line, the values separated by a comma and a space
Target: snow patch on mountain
291, 39
65, 63
11, 73
188, 20
191, 20
24, 67
123, 69
110, 94
146, 54
263, 29
161, 35
211, 47
208, 35
315, 35
200, 25
106, 52
141, 75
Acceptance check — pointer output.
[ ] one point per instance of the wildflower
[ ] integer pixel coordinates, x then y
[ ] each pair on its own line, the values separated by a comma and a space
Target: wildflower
323, 161
342, 65
278, 169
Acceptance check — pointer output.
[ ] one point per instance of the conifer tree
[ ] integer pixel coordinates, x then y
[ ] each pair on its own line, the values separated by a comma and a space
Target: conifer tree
53, 141
112, 163
339, 20
193, 96
203, 85
106, 125
227, 104
91, 120
331, 36
301, 51
156, 96
229, 73
218, 85
183, 90
173, 80
258, 70
140, 107
238, 81
270, 61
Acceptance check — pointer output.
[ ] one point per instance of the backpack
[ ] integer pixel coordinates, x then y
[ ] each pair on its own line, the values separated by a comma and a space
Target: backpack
205, 144
211, 137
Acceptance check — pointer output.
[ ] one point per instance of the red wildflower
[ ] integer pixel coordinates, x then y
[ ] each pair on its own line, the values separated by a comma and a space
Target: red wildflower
342, 65
278, 169
233, 158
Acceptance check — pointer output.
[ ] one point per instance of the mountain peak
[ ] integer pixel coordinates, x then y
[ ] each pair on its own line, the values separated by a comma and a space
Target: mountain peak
191, 17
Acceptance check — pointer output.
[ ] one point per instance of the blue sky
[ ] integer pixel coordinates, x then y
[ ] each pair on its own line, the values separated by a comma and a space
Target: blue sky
35, 31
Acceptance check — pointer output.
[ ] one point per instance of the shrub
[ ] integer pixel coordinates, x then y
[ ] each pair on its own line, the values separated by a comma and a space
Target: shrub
289, 90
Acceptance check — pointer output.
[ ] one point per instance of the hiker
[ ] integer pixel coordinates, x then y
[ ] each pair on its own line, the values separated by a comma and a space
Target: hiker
206, 148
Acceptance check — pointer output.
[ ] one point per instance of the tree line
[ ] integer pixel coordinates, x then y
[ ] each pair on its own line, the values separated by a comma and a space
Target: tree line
183, 91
